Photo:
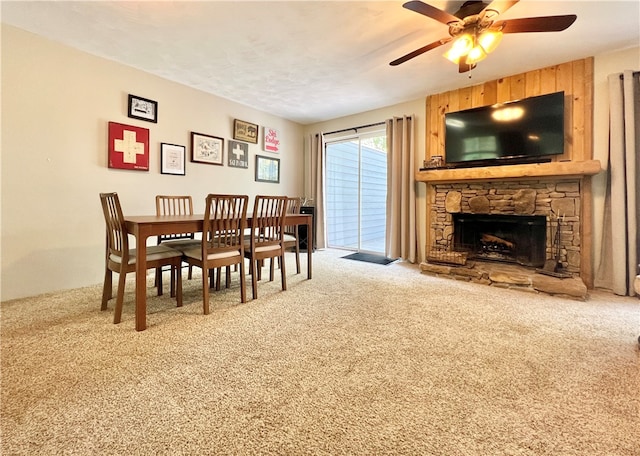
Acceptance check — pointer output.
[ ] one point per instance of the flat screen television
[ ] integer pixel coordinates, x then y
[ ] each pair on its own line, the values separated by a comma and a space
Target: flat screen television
530, 130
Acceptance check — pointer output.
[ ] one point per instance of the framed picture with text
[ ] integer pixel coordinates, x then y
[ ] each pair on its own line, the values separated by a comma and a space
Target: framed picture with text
245, 131
271, 140
238, 154
267, 169
172, 159
206, 149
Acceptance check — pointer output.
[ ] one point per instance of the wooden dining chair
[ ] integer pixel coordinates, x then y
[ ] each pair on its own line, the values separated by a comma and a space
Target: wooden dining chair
222, 244
266, 238
291, 231
175, 205
121, 259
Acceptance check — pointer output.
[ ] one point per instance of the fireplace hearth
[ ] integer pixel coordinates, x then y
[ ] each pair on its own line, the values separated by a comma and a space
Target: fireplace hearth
504, 238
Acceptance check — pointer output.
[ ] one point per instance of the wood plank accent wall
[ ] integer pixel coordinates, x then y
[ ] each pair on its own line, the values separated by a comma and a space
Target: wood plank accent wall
574, 78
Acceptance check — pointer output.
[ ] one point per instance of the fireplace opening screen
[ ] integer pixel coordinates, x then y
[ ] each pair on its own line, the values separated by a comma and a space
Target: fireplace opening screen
517, 239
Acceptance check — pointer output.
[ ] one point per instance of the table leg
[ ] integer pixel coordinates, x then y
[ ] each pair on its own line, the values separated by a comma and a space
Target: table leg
309, 246
141, 278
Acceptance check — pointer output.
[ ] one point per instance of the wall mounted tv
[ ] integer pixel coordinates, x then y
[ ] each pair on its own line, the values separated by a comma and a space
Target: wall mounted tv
530, 130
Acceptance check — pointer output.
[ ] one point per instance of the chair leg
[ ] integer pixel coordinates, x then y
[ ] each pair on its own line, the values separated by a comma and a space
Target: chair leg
254, 279
212, 277
227, 282
175, 272
117, 314
205, 289
159, 284
272, 263
179, 284
219, 273
283, 275
107, 289
243, 291
297, 257
190, 276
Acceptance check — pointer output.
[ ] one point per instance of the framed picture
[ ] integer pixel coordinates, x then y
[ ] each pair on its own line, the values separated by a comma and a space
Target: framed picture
172, 158
143, 109
238, 154
267, 169
271, 139
206, 149
245, 131
128, 147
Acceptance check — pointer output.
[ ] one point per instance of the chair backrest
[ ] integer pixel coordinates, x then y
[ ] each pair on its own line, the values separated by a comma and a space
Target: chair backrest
117, 240
174, 205
293, 207
268, 220
225, 219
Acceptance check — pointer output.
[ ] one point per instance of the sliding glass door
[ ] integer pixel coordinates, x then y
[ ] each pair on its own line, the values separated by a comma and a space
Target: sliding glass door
356, 192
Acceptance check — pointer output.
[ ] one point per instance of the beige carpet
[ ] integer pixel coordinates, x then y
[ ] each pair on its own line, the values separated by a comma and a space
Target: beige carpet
362, 360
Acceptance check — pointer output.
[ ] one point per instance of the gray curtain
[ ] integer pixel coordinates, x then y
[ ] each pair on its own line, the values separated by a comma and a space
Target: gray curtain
316, 176
401, 239
620, 246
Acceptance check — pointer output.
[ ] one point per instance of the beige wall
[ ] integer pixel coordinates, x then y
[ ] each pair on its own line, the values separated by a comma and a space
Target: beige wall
56, 103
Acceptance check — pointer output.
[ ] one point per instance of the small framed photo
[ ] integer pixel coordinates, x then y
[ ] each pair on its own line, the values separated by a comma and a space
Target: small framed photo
143, 109
238, 154
172, 159
206, 149
245, 131
267, 169
271, 140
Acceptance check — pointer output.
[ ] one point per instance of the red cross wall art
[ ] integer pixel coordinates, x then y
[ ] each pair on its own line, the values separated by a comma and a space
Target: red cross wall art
128, 147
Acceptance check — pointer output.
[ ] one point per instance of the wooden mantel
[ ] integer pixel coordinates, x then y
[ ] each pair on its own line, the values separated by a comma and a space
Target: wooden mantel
534, 170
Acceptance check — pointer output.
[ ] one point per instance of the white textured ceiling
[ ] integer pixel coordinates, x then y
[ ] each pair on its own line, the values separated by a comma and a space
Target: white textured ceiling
310, 61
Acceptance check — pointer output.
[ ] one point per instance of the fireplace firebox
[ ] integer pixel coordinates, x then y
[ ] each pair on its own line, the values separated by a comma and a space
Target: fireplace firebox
520, 239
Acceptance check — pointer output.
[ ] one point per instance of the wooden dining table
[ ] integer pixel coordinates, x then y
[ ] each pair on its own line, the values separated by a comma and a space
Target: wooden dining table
145, 226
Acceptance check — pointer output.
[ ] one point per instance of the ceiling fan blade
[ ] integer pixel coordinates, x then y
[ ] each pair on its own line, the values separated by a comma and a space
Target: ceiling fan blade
463, 67
422, 50
497, 7
430, 11
536, 24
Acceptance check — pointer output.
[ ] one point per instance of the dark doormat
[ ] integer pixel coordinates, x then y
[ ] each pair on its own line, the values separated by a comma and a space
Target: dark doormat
369, 258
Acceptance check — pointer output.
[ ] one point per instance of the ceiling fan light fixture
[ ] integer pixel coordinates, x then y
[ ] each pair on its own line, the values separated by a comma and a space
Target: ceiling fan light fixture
460, 47
475, 55
489, 40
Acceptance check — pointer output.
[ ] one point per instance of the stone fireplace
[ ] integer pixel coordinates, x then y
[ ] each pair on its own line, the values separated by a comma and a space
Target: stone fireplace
510, 221
500, 200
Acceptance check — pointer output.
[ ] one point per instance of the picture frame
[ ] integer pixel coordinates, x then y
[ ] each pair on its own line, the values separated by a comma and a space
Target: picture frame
238, 154
142, 109
267, 169
245, 131
271, 140
207, 149
172, 159
128, 147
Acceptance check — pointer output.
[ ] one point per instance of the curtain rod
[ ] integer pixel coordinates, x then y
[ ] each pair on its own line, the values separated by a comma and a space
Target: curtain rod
355, 128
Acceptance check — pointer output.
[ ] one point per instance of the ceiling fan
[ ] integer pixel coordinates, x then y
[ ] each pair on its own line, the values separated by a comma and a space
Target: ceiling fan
475, 32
